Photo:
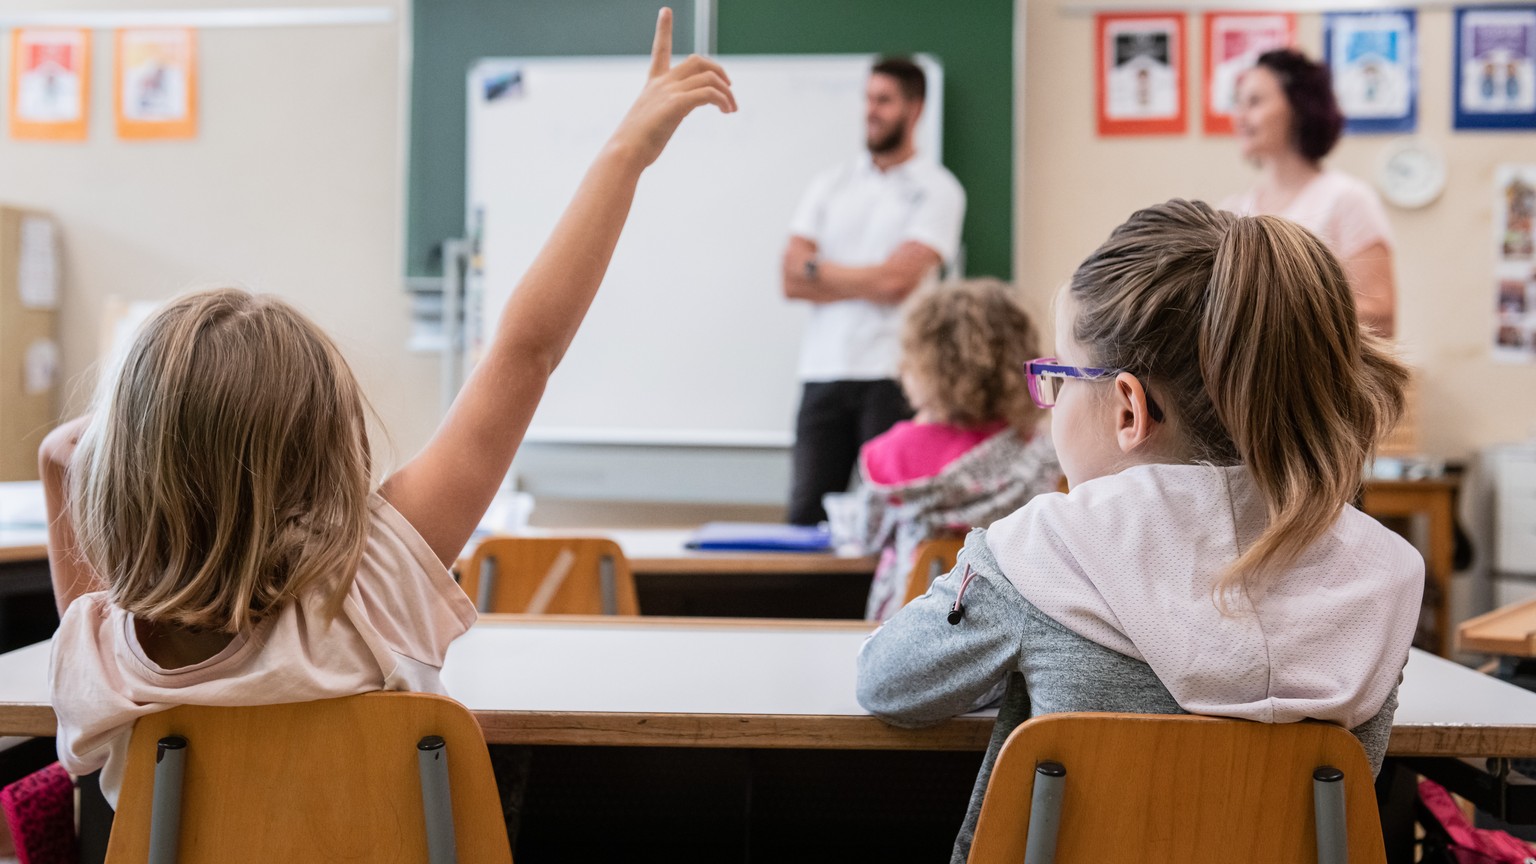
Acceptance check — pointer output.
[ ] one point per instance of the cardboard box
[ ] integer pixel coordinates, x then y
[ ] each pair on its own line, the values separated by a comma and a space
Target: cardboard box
30, 374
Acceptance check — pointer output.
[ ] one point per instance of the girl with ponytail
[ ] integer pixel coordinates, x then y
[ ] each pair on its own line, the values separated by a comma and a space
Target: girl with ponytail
1213, 405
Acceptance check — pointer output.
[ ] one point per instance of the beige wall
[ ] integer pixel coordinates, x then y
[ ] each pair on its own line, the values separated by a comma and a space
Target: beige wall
294, 185
1076, 187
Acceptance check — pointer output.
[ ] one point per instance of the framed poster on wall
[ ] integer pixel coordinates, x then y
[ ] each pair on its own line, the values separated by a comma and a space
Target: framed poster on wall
1514, 324
1233, 40
50, 84
1495, 67
156, 84
1374, 60
1139, 74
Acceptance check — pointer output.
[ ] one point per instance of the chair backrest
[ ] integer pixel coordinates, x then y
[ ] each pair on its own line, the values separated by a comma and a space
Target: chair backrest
550, 575
1149, 788
934, 559
332, 780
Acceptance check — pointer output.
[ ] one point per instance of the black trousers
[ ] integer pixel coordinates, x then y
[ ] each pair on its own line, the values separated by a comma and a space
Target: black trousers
836, 418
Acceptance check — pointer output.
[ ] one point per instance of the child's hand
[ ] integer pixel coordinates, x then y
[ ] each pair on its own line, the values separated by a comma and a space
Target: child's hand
670, 95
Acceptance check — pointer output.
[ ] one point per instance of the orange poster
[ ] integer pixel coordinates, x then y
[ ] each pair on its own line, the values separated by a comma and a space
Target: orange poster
50, 84
156, 84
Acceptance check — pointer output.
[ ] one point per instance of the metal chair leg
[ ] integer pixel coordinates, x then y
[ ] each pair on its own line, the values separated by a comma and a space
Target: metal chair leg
608, 583
1328, 807
165, 809
1045, 813
436, 799
487, 588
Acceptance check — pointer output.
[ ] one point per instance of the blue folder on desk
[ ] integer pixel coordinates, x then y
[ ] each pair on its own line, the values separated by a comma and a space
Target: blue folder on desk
760, 537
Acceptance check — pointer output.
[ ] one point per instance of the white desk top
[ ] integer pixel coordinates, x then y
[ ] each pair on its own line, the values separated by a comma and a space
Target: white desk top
23, 544
677, 682
649, 550
665, 550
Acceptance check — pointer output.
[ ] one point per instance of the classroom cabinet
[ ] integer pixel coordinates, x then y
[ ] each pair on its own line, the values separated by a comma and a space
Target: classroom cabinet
29, 348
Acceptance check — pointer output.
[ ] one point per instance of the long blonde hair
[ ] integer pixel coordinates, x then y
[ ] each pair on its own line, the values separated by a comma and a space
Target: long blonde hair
226, 467
1244, 330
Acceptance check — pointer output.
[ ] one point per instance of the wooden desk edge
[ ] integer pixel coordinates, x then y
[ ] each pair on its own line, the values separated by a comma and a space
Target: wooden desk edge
1506, 630
777, 562
13, 554
841, 732
609, 622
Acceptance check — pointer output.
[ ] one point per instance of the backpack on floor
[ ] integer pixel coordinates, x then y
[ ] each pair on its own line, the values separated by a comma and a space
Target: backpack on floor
40, 810
1450, 839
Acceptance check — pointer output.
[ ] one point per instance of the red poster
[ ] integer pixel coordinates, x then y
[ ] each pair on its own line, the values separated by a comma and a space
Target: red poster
1233, 40
1139, 74
50, 84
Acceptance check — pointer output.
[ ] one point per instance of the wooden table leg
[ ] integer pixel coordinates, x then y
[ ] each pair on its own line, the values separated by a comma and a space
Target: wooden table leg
1442, 549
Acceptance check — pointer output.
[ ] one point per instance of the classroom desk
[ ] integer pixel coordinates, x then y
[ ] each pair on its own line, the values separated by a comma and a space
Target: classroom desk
1508, 631
746, 726
23, 545
670, 578
1433, 499
649, 550
660, 550
673, 580
655, 682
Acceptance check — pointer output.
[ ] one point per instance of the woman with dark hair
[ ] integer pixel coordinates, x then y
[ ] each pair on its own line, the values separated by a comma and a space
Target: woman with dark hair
1286, 120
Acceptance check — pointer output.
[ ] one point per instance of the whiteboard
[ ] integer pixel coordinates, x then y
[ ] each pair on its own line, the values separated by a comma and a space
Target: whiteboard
690, 340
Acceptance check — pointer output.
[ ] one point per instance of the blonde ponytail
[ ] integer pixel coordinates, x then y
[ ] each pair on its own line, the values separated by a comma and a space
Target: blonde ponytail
1303, 391
1283, 379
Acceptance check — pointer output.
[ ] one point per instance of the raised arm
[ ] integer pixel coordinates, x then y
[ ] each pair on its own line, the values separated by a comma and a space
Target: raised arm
71, 576
445, 489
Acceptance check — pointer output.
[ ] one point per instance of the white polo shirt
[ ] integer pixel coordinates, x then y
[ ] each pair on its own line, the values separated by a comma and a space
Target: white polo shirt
857, 215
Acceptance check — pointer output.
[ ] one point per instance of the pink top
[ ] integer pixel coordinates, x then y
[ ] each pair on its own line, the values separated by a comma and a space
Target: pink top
915, 451
392, 634
1341, 210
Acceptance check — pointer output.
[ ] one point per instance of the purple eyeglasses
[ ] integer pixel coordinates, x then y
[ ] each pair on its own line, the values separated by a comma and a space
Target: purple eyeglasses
1046, 377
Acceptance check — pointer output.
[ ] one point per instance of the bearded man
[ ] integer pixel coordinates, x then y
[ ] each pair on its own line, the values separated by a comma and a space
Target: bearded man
866, 235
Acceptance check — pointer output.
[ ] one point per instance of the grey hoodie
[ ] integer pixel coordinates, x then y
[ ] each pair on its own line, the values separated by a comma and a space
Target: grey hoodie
918, 669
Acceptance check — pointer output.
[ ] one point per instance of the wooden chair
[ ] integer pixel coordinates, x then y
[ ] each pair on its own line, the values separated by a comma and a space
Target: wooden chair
1149, 788
934, 559
550, 575
354, 779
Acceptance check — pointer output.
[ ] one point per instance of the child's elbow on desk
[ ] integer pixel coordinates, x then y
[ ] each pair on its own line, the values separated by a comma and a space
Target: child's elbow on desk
918, 669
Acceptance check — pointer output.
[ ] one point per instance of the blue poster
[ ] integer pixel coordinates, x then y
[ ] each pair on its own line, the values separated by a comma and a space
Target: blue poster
1495, 67
1374, 57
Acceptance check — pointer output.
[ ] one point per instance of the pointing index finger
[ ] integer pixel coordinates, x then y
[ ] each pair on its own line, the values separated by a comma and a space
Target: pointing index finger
661, 49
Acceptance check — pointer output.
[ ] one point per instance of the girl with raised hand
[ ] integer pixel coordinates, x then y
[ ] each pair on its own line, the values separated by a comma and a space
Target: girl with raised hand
215, 535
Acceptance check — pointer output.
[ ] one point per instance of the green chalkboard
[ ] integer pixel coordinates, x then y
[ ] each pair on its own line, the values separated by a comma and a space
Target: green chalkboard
973, 42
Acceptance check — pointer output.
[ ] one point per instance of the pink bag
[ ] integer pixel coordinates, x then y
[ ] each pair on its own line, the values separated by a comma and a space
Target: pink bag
1469, 845
40, 810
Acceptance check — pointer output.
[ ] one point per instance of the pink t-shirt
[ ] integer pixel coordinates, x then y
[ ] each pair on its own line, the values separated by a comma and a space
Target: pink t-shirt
914, 451
393, 631
1341, 210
